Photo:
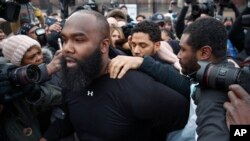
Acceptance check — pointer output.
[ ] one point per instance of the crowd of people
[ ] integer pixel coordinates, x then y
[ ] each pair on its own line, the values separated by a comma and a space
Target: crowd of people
111, 77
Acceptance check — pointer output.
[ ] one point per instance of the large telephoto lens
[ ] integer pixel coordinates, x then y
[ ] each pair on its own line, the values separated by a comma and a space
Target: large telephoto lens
219, 77
25, 75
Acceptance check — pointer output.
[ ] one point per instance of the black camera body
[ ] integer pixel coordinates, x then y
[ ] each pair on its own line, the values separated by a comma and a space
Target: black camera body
10, 10
220, 77
20, 75
41, 36
203, 8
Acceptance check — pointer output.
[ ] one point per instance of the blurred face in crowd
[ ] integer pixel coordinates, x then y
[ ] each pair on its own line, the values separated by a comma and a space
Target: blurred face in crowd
33, 56
228, 23
168, 26
187, 57
2, 35
139, 19
81, 51
124, 10
141, 45
32, 33
115, 35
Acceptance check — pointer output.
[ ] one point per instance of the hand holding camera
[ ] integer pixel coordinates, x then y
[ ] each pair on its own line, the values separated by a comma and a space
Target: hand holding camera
239, 106
55, 27
15, 81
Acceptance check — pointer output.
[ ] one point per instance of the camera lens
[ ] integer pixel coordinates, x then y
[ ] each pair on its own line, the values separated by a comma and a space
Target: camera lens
222, 77
33, 73
25, 75
219, 77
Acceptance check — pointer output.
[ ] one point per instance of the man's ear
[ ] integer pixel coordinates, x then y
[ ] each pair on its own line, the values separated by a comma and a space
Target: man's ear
157, 45
105, 45
205, 53
129, 40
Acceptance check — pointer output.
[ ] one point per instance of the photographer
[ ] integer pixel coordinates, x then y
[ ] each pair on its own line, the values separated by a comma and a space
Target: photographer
53, 31
29, 30
20, 115
43, 37
197, 10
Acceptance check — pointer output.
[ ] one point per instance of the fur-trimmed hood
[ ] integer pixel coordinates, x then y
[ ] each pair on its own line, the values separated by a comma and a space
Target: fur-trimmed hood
117, 13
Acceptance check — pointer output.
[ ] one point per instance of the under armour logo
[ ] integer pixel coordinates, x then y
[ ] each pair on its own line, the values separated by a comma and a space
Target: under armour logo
90, 93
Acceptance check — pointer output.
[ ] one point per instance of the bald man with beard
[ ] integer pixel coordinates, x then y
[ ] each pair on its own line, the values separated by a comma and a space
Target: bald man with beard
98, 108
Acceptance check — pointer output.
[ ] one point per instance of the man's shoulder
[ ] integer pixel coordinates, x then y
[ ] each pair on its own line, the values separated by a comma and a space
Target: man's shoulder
138, 75
129, 76
139, 80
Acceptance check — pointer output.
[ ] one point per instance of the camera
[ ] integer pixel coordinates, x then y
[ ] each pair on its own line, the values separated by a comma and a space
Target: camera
203, 8
20, 75
220, 77
41, 36
9, 10
49, 21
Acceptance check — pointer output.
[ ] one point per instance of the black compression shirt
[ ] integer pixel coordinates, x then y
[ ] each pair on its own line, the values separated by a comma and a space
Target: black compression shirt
134, 108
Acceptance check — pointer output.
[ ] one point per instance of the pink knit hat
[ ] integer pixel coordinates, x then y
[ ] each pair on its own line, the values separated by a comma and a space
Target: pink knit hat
16, 46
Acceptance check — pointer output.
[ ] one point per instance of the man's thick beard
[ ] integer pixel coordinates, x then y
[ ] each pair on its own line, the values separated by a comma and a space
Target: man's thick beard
77, 79
192, 67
